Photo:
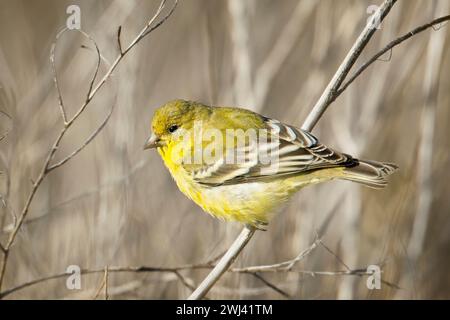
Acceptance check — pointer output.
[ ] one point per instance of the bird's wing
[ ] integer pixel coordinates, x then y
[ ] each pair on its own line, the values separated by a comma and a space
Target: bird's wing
287, 151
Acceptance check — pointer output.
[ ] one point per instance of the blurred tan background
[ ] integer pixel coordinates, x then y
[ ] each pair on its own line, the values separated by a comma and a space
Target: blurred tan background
116, 205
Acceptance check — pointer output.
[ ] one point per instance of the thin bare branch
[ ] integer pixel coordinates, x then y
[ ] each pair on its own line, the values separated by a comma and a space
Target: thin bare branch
149, 28
106, 283
119, 41
62, 108
144, 32
282, 266
4, 135
184, 281
97, 66
329, 95
26, 207
334, 255
5, 114
103, 285
389, 47
9, 227
55, 74
83, 145
105, 186
355, 272
102, 57
271, 285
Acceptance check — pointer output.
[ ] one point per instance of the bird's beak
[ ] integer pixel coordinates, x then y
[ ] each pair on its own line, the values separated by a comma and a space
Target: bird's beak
152, 142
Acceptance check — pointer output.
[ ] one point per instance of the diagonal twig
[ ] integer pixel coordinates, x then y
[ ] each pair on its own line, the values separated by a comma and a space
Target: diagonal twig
103, 285
62, 108
271, 285
335, 255
389, 47
183, 280
329, 95
4, 135
97, 66
119, 41
85, 143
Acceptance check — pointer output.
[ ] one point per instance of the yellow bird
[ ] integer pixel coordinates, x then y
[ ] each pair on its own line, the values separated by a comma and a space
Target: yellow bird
247, 179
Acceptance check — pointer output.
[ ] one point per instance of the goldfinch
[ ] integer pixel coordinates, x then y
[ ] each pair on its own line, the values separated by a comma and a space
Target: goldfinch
247, 180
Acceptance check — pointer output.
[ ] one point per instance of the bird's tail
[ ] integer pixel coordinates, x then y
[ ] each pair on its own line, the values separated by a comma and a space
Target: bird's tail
370, 173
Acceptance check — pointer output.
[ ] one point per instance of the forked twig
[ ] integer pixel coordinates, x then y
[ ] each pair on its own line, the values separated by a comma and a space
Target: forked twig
282, 266
85, 143
329, 95
389, 47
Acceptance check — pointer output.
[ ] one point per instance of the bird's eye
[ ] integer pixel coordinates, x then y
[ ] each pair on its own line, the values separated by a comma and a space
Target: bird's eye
173, 128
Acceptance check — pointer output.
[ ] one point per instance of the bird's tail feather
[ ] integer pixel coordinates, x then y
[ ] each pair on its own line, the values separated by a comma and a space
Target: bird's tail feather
370, 173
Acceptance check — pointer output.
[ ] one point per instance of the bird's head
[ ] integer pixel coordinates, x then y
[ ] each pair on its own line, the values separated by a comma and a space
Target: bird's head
171, 120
